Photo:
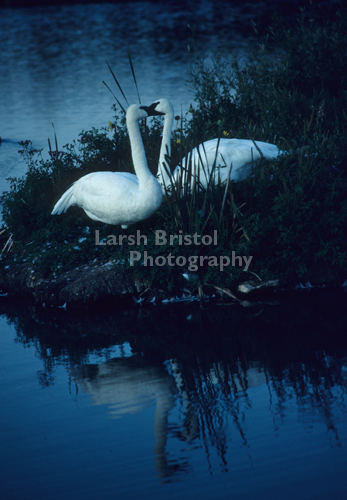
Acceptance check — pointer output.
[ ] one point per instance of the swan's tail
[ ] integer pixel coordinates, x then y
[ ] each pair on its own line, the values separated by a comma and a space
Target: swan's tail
66, 201
269, 151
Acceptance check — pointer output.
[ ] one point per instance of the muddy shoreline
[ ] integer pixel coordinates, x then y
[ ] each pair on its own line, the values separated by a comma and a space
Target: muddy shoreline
103, 284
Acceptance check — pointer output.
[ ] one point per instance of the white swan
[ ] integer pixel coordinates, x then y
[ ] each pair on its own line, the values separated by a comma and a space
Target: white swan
118, 197
231, 157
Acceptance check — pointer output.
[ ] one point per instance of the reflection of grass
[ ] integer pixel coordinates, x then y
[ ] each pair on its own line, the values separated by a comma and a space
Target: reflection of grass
300, 358
290, 215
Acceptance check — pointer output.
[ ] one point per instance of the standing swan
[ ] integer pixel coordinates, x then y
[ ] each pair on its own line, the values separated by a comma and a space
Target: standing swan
231, 157
118, 197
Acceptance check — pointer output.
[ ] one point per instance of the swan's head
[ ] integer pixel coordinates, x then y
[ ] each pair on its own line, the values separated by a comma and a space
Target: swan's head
160, 107
135, 112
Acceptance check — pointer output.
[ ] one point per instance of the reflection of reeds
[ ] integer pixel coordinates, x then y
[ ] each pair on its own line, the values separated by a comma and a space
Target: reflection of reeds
217, 393
301, 362
313, 385
212, 396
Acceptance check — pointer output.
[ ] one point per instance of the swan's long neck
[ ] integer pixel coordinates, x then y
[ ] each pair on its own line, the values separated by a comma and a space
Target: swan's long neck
165, 150
138, 151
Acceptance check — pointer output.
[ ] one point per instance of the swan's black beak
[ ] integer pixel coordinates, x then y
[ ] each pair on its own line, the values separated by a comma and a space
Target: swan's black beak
151, 111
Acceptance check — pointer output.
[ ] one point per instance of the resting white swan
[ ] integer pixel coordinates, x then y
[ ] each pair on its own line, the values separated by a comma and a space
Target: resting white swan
233, 158
118, 197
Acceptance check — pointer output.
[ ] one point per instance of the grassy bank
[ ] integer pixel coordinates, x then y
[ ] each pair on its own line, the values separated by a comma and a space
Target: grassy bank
288, 219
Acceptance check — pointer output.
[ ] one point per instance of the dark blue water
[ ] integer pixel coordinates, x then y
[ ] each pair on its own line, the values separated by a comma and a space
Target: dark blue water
176, 402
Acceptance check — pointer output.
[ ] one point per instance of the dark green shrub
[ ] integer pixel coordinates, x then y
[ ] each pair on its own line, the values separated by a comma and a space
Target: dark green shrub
291, 87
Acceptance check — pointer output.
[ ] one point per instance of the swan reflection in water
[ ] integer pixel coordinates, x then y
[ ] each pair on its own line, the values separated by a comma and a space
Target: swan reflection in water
128, 385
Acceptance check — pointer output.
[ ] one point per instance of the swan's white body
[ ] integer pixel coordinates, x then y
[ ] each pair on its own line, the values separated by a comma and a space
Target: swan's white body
118, 197
231, 158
